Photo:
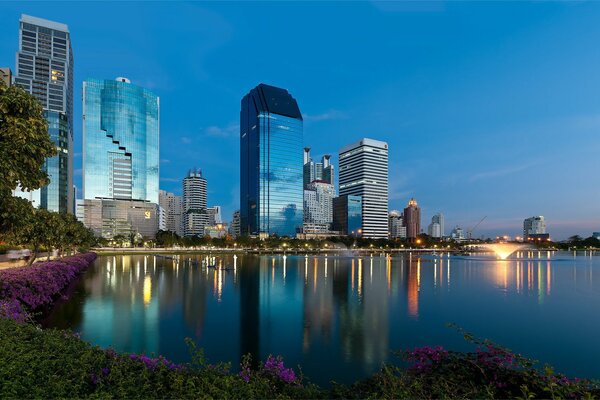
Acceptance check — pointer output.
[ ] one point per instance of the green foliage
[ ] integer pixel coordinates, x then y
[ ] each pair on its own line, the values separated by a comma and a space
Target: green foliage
24, 141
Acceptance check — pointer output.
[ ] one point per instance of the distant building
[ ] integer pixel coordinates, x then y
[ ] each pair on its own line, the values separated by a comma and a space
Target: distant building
347, 215
271, 173
457, 234
412, 219
396, 225
436, 228
108, 218
534, 228
364, 172
596, 235
195, 217
162, 219
234, 228
214, 215
321, 171
6, 76
217, 231
318, 203
173, 207
44, 68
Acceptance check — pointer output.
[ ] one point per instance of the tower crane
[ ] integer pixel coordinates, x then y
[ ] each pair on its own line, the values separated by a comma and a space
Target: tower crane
470, 231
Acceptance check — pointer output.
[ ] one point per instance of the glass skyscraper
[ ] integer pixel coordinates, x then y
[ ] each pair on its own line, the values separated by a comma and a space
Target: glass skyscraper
120, 141
271, 170
45, 69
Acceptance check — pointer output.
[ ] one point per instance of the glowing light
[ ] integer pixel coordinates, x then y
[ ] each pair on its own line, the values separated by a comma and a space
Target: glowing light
147, 290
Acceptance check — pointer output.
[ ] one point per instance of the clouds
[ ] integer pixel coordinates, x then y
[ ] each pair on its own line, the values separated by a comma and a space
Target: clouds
186, 140
228, 131
326, 116
501, 172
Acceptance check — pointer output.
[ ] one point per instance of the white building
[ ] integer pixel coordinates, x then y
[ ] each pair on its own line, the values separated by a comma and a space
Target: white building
214, 215
318, 203
457, 233
195, 217
172, 205
396, 225
364, 172
534, 226
436, 228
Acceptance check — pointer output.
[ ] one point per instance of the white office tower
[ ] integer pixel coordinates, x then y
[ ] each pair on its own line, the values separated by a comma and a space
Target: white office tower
172, 205
364, 172
318, 204
195, 217
436, 228
396, 225
534, 226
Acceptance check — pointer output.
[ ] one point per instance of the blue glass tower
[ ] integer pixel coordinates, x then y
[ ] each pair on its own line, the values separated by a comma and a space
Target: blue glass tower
120, 141
271, 157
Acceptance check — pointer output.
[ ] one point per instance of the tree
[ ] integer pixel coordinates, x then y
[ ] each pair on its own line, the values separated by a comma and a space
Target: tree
24, 141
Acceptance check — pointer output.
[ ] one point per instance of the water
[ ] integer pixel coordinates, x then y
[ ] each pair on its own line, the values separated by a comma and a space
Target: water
339, 318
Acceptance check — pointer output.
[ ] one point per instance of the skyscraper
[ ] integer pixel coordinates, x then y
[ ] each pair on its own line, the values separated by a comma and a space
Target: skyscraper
45, 70
322, 171
318, 204
195, 217
271, 173
172, 205
396, 225
347, 215
436, 228
234, 227
412, 219
364, 172
120, 141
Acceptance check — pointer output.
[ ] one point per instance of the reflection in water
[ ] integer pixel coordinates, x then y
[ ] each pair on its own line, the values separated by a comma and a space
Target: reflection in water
348, 312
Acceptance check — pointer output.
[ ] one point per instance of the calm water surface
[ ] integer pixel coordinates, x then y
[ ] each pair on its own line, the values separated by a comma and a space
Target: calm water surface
340, 317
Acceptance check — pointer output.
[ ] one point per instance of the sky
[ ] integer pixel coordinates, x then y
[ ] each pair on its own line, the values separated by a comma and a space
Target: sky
489, 108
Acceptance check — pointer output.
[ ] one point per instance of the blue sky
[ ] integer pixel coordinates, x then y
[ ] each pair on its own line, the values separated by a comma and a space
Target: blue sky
489, 108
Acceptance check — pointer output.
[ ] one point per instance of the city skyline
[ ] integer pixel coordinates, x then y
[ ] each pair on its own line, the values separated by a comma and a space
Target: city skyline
475, 170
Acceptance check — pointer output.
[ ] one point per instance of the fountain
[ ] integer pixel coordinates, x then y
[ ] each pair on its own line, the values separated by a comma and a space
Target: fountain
503, 250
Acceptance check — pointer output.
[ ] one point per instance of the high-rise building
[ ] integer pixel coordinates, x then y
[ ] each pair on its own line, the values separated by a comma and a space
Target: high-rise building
172, 205
6, 76
120, 141
320, 171
412, 219
364, 172
271, 174
45, 70
396, 225
436, 228
318, 204
214, 215
347, 215
195, 217
234, 228
535, 228
457, 233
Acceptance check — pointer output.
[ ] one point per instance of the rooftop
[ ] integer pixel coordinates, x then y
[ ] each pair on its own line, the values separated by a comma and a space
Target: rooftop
28, 19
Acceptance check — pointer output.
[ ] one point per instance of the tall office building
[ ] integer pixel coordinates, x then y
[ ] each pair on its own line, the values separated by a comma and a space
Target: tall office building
318, 204
347, 215
45, 70
120, 141
234, 227
172, 205
396, 225
214, 215
271, 174
412, 219
320, 171
195, 216
364, 172
6, 76
436, 228
535, 228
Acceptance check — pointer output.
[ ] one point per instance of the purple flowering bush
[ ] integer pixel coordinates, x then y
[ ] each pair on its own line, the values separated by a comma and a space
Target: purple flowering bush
26, 289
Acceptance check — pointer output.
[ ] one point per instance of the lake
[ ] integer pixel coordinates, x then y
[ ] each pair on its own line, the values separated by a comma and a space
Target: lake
340, 317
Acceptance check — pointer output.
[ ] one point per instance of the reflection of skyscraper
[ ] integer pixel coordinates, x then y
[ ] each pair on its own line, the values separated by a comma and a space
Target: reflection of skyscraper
412, 219
45, 70
249, 284
364, 172
271, 174
413, 285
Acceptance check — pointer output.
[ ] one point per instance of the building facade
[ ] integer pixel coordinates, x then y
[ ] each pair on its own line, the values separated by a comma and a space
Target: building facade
108, 218
535, 228
173, 207
234, 227
120, 141
321, 171
6, 76
396, 225
45, 70
436, 227
347, 215
318, 203
363, 171
412, 219
457, 233
195, 216
271, 173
